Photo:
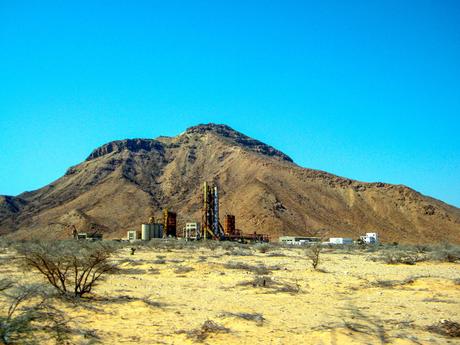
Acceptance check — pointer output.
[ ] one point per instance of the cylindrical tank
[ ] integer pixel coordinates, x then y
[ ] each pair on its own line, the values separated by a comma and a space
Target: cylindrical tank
156, 230
145, 233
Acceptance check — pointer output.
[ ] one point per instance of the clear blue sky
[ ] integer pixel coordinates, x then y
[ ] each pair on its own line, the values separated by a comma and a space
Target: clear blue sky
364, 89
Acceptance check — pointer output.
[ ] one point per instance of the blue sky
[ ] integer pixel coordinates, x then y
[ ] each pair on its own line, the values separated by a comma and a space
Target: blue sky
364, 89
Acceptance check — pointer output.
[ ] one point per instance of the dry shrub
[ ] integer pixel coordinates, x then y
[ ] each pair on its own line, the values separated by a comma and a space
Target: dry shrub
207, 328
313, 253
256, 317
159, 262
275, 254
446, 327
72, 267
28, 317
400, 257
394, 283
271, 284
263, 248
183, 269
239, 252
259, 269
446, 254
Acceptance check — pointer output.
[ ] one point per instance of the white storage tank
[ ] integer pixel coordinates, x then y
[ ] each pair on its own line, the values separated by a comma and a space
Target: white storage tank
145, 232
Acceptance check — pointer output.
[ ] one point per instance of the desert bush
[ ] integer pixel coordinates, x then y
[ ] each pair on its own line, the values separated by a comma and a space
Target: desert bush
207, 328
313, 253
392, 257
159, 261
183, 269
256, 317
275, 254
237, 251
394, 283
72, 267
259, 269
446, 327
27, 316
262, 248
129, 270
267, 282
446, 254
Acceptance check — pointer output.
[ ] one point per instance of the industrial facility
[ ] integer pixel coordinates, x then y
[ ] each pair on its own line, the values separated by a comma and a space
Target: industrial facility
210, 227
369, 238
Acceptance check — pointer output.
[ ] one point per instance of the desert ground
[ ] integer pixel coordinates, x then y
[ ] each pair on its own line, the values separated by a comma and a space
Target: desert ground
176, 293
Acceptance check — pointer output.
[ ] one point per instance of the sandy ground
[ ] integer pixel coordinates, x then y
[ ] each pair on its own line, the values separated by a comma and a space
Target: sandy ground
351, 300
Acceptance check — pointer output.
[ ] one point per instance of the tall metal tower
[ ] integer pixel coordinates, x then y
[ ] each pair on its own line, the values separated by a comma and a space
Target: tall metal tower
210, 226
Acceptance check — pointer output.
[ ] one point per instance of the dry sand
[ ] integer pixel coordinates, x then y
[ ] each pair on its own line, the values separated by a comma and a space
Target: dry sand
351, 300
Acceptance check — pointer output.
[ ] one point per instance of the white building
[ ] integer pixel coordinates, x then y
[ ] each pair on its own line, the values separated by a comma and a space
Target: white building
133, 235
192, 231
298, 240
340, 240
370, 238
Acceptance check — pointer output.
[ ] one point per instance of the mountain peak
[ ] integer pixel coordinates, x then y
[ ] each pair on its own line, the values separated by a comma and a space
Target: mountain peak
212, 127
238, 138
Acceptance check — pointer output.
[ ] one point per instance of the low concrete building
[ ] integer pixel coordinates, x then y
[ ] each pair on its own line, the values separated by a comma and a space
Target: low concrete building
370, 238
192, 231
340, 240
133, 235
297, 240
89, 237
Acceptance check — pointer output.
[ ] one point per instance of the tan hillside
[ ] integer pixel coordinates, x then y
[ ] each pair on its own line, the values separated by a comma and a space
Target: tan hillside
122, 182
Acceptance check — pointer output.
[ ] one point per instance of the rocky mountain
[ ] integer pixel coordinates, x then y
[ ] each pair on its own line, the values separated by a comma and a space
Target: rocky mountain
123, 182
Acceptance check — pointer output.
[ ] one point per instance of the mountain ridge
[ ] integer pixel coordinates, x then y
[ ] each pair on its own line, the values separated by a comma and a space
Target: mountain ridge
122, 182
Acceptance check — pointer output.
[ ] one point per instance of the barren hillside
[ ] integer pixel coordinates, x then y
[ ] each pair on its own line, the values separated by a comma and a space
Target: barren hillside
121, 183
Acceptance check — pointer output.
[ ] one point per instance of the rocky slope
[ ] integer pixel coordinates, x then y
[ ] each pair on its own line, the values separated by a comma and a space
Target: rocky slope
121, 183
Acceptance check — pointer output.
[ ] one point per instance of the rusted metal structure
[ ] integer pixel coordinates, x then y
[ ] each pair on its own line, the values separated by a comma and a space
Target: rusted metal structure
210, 225
229, 225
169, 223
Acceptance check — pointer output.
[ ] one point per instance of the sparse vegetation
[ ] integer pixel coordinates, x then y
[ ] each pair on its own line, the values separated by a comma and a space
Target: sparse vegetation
263, 247
446, 327
259, 269
183, 269
27, 316
399, 257
313, 253
256, 317
273, 285
72, 267
394, 283
205, 330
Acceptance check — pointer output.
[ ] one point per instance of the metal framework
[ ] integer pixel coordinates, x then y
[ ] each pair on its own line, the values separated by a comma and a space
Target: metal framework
210, 225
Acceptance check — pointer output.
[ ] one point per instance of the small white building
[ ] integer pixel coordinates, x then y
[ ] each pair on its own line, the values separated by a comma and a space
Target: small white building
192, 231
133, 235
298, 240
340, 240
370, 238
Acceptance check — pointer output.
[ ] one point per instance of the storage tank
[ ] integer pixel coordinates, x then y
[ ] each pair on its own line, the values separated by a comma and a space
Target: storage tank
156, 230
145, 233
